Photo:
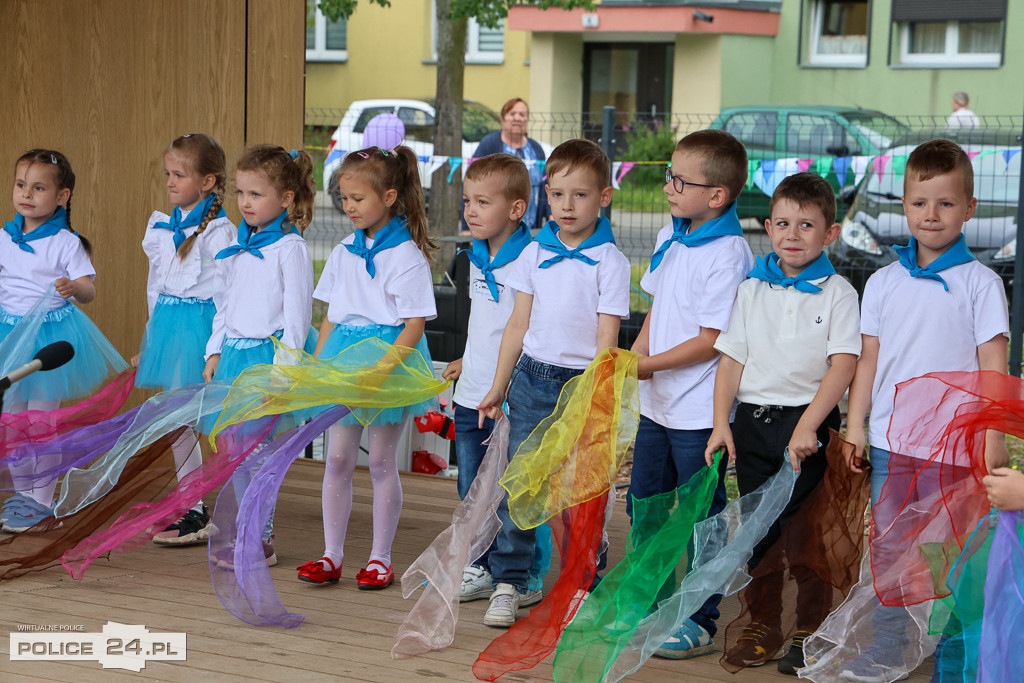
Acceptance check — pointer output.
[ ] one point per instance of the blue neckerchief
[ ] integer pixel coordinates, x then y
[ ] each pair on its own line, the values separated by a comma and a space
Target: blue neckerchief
956, 254
194, 217
480, 255
726, 224
391, 235
251, 242
547, 239
57, 222
767, 268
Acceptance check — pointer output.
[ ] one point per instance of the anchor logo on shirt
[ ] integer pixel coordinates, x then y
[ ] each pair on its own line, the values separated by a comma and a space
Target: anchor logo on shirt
818, 320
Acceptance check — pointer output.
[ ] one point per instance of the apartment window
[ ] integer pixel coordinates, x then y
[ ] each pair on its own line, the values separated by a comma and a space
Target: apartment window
944, 33
483, 45
326, 41
839, 33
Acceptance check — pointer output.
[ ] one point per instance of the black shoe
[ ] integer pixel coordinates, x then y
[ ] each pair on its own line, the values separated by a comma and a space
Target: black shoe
794, 659
193, 528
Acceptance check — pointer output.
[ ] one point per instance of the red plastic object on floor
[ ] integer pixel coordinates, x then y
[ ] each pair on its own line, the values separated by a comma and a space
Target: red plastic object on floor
426, 462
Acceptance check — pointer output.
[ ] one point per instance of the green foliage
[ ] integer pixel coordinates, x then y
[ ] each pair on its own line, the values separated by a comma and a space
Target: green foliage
343, 9
487, 12
649, 144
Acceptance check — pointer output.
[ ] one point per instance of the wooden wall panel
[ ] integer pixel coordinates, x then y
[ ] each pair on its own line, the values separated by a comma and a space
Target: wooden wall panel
111, 82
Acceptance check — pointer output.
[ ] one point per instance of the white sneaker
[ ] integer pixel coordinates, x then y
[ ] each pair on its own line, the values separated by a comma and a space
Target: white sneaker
504, 606
531, 597
476, 584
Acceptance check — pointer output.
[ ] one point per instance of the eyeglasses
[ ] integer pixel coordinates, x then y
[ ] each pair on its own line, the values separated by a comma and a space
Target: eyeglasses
678, 183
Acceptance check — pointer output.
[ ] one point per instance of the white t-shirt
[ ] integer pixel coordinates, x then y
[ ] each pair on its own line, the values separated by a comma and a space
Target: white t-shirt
24, 276
784, 337
693, 287
264, 295
922, 328
567, 298
198, 276
487, 319
401, 287
963, 118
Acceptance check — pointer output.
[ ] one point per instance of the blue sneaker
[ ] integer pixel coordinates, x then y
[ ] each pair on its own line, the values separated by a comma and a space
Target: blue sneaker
27, 516
15, 502
874, 665
691, 640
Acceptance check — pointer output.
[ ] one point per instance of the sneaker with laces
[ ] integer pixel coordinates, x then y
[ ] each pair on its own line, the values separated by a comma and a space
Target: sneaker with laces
268, 551
793, 660
504, 606
192, 529
225, 557
691, 640
874, 665
26, 516
476, 584
756, 645
531, 597
15, 502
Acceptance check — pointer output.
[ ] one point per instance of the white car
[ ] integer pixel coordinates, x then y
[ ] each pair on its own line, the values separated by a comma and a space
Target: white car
418, 119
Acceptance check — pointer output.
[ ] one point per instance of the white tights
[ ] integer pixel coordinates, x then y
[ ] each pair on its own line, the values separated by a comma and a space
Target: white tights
342, 453
187, 457
23, 474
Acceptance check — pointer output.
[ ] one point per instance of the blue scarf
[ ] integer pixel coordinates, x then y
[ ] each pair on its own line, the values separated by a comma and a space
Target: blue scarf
547, 239
726, 224
195, 217
57, 222
956, 254
480, 255
391, 235
251, 242
767, 268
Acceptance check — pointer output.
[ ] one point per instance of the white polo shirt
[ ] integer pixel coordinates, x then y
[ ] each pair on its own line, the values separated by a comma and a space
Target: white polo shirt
922, 328
693, 287
487, 319
24, 276
784, 337
567, 298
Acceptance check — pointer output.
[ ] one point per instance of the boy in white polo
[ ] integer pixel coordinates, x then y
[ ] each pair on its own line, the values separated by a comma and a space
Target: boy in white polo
788, 357
572, 290
700, 260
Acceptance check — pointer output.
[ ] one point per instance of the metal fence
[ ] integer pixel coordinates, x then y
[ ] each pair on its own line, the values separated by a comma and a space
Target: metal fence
861, 153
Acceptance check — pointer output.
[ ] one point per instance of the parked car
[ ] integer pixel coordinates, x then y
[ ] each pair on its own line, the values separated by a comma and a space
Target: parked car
779, 132
418, 119
875, 220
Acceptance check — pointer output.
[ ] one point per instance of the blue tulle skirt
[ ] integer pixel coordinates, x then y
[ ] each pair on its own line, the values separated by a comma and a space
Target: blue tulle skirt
175, 342
344, 336
94, 362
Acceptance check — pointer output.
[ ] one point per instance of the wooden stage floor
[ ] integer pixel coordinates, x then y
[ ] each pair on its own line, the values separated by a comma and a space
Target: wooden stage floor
348, 633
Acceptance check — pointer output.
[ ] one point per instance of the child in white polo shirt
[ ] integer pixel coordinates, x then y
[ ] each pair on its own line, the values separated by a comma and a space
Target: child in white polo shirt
700, 260
936, 309
572, 290
495, 194
788, 357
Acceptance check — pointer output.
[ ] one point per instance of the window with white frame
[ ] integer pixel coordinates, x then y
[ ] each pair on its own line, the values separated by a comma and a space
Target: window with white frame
839, 33
326, 40
967, 33
483, 45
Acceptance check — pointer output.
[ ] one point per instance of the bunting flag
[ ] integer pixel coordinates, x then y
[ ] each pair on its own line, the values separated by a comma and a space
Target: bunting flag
454, 163
1008, 155
803, 164
773, 171
436, 162
841, 165
878, 164
752, 166
823, 165
859, 164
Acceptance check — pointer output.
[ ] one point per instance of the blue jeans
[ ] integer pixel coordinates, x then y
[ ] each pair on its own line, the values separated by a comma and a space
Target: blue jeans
663, 460
470, 450
532, 396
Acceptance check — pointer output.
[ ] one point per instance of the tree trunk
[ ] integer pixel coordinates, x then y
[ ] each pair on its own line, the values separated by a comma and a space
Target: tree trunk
445, 197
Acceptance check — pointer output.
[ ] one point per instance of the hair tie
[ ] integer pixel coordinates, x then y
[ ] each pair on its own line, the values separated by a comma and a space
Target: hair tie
294, 154
53, 158
384, 151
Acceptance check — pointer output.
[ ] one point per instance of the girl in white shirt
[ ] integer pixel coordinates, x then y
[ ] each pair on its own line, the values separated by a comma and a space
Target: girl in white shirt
376, 283
39, 250
267, 271
183, 279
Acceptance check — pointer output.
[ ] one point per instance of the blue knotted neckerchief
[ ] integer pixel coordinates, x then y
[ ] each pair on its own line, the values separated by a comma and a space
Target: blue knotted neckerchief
251, 242
548, 239
767, 268
956, 254
726, 224
480, 255
391, 235
57, 222
194, 218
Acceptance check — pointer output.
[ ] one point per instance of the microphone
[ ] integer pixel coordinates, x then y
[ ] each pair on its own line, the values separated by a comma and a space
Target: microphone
49, 357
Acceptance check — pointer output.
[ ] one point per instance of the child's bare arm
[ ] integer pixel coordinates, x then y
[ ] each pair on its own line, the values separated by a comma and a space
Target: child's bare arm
860, 397
1005, 488
508, 355
81, 288
693, 350
607, 332
804, 441
642, 345
326, 327
727, 383
992, 356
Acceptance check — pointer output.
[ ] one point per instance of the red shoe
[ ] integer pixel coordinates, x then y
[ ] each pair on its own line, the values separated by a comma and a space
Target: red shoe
315, 571
374, 579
